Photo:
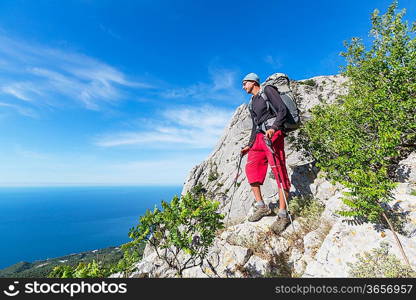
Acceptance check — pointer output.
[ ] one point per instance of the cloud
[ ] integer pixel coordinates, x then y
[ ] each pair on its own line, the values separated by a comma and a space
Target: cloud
21, 152
43, 75
21, 110
184, 128
109, 31
273, 61
19, 90
223, 87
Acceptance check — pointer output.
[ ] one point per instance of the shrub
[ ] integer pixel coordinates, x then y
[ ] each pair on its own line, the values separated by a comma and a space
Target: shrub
90, 270
379, 263
359, 143
132, 254
198, 190
212, 176
181, 232
309, 82
306, 207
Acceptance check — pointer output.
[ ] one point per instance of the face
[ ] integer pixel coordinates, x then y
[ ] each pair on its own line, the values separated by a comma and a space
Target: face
248, 86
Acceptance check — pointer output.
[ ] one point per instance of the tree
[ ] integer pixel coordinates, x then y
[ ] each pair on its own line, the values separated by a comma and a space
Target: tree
182, 232
359, 141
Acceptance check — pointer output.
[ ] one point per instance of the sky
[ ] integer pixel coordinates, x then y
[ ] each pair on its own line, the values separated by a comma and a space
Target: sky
98, 92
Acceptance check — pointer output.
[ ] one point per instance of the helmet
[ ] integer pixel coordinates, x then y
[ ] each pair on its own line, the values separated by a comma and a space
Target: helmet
252, 77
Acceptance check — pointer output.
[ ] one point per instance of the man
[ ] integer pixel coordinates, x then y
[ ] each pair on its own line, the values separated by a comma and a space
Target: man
266, 125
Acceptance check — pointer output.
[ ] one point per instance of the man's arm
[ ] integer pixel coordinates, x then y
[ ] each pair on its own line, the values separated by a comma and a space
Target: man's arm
252, 135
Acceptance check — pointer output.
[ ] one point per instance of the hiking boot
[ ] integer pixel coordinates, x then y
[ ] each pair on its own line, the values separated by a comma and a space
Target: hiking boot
258, 213
280, 224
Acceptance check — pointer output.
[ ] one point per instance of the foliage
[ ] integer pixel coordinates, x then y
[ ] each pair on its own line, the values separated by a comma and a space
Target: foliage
41, 268
359, 142
307, 211
379, 263
306, 207
198, 190
132, 255
213, 175
100, 269
83, 270
309, 82
185, 226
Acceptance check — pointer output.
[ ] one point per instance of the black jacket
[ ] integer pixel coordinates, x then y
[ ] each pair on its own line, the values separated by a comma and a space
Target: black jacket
260, 113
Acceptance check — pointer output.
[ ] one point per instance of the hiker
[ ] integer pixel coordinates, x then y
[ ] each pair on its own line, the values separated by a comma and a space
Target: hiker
266, 125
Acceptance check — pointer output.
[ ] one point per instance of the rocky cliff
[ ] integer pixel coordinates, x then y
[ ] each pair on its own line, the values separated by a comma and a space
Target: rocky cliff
320, 244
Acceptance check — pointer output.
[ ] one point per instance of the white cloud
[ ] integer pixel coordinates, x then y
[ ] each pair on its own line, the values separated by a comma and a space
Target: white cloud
21, 110
188, 127
39, 74
109, 31
223, 87
19, 90
273, 61
24, 153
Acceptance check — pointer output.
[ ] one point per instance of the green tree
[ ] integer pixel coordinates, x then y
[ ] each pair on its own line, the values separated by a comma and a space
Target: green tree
132, 253
83, 270
359, 141
182, 232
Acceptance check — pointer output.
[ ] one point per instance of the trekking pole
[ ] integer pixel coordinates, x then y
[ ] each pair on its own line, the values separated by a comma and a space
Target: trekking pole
235, 184
279, 180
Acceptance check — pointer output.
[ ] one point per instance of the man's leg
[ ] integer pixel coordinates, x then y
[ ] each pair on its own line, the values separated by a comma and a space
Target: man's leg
260, 208
255, 187
256, 169
282, 202
278, 165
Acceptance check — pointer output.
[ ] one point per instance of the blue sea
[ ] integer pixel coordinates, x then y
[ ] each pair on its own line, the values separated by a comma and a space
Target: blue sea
38, 223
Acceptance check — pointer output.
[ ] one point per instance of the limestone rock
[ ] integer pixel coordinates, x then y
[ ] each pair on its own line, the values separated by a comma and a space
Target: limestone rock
344, 241
256, 267
407, 170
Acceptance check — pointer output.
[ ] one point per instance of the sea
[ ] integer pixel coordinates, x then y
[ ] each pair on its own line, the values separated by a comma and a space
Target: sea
37, 223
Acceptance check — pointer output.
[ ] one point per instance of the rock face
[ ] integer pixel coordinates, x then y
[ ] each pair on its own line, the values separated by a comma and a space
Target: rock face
319, 247
344, 241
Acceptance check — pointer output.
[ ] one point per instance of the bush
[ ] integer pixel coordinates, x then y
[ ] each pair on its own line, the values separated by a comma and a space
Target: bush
90, 270
379, 263
198, 190
306, 207
309, 82
184, 227
212, 176
359, 143
97, 269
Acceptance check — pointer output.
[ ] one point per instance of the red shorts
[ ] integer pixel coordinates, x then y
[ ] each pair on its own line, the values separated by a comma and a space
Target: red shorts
258, 157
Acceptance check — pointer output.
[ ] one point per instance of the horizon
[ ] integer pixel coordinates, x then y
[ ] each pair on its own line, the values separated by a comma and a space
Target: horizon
136, 93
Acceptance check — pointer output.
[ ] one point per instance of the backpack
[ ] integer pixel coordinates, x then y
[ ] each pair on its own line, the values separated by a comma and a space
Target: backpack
281, 82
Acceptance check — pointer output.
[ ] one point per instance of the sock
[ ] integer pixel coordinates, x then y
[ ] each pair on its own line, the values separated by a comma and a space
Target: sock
260, 204
282, 213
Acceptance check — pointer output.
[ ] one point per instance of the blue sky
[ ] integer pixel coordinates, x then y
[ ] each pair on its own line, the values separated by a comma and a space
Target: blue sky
96, 92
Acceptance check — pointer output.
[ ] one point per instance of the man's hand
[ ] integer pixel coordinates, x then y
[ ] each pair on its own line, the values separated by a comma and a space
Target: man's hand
269, 133
244, 150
